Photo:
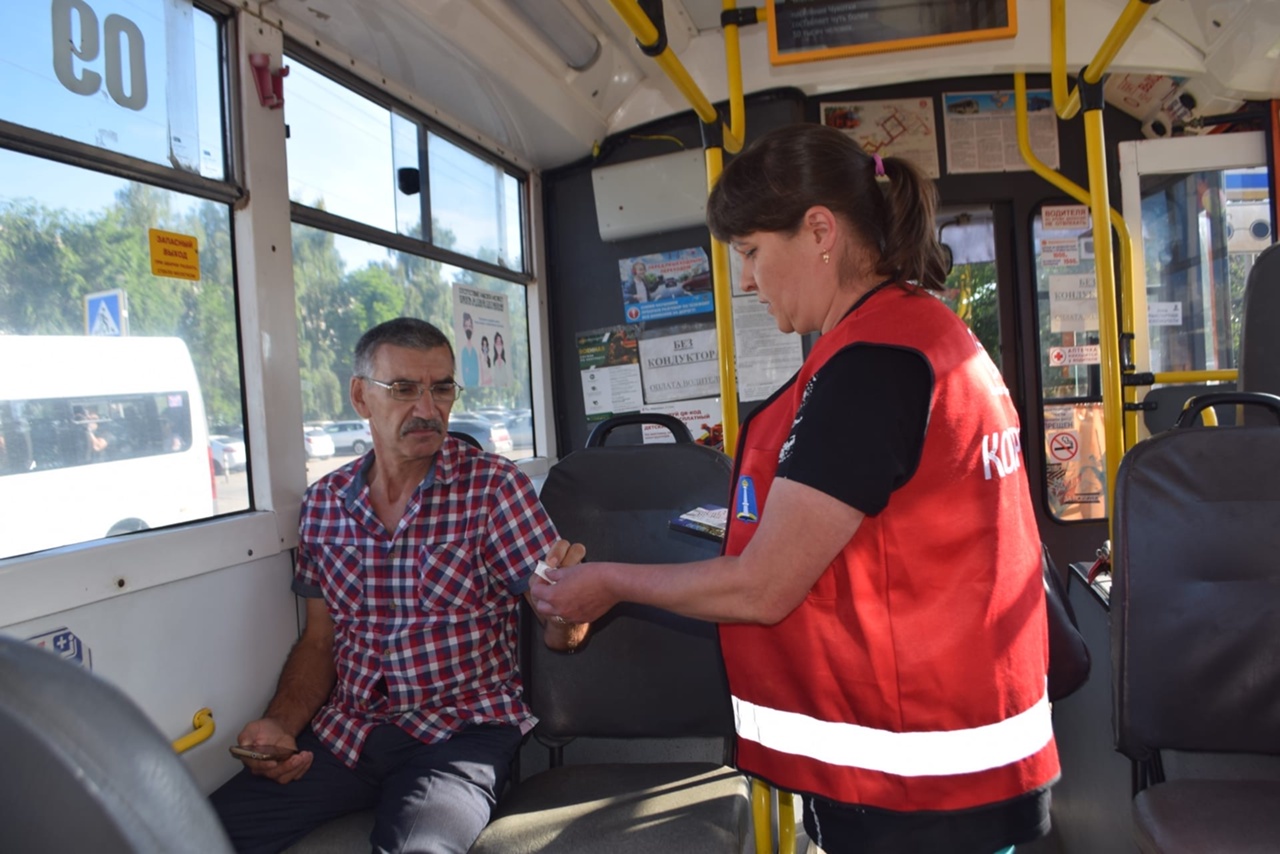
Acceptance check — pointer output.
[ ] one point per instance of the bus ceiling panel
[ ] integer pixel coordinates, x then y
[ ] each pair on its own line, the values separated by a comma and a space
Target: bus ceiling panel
478, 67
1153, 47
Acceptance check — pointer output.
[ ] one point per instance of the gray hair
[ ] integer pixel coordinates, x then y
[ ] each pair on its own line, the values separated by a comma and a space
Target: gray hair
407, 332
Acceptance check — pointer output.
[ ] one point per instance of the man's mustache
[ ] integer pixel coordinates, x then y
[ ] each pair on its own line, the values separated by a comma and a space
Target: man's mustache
414, 424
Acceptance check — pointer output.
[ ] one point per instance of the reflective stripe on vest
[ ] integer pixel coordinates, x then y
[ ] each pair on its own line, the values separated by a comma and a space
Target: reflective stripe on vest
906, 754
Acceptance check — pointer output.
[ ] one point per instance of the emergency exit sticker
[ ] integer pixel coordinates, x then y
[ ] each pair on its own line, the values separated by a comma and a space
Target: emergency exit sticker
1086, 354
176, 256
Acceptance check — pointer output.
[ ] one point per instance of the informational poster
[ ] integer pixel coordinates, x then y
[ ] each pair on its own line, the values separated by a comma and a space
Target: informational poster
808, 30
681, 365
1164, 314
765, 357
982, 131
1073, 303
609, 362
1060, 252
665, 284
703, 417
1075, 461
481, 332
901, 128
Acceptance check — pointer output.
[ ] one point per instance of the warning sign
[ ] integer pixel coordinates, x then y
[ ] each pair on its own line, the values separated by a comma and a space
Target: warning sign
1085, 354
176, 256
1064, 446
1064, 217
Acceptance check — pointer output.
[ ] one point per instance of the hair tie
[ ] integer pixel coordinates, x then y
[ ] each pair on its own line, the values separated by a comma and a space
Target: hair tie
879, 165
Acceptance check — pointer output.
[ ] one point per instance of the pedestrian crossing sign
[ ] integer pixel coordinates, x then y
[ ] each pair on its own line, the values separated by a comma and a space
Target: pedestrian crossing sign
106, 313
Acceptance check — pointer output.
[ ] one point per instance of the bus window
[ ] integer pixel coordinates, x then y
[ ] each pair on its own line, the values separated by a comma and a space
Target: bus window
1066, 299
971, 287
349, 277
117, 308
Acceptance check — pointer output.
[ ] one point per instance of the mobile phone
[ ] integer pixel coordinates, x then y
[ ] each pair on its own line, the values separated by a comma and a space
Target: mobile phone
264, 752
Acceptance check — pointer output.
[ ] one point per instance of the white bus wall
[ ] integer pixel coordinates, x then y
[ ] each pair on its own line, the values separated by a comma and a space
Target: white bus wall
215, 641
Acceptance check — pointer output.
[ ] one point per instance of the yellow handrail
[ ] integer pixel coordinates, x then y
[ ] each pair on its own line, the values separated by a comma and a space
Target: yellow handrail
761, 813
203, 731
647, 34
1170, 377
1128, 275
1068, 104
723, 301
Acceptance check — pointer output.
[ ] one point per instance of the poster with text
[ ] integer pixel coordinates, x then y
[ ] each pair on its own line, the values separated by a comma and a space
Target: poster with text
481, 335
764, 356
702, 417
902, 128
982, 131
680, 365
609, 363
665, 284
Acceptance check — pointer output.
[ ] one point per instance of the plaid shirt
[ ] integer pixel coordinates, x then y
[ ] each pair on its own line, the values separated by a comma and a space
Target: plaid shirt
424, 616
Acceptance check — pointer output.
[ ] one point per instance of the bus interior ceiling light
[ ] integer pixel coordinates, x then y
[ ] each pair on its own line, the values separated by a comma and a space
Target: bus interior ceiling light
565, 34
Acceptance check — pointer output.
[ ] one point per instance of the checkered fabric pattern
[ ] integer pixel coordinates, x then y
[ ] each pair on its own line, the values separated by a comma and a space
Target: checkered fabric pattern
424, 616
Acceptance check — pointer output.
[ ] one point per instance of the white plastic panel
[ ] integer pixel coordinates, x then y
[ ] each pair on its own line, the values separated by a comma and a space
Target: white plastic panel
651, 196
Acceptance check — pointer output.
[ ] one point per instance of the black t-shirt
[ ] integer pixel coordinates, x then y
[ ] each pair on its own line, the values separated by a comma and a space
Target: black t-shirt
861, 425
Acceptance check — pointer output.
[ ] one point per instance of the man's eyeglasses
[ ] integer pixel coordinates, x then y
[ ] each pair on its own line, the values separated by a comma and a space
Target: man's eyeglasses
445, 391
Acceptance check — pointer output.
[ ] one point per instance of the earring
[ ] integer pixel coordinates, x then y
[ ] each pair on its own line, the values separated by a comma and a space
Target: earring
826, 257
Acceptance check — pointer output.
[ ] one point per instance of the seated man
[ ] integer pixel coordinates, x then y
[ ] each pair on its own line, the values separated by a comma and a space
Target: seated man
403, 693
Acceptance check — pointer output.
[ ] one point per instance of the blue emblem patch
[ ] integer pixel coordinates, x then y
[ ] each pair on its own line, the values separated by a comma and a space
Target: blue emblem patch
62, 641
744, 502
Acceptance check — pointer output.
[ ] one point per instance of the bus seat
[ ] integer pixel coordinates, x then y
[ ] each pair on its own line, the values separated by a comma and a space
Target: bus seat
644, 673
1260, 330
1195, 602
85, 770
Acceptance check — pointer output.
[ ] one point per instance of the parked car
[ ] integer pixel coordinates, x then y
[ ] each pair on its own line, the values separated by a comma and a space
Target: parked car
519, 423
318, 444
228, 454
353, 436
492, 436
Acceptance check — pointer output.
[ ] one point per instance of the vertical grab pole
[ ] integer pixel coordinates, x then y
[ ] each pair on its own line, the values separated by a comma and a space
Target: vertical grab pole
714, 152
1104, 269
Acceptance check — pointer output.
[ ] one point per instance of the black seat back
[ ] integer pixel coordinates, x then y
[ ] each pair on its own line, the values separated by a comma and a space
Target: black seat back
83, 769
644, 671
1260, 331
1195, 598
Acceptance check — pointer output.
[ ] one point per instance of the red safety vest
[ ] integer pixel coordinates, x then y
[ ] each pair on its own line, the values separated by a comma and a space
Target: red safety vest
912, 677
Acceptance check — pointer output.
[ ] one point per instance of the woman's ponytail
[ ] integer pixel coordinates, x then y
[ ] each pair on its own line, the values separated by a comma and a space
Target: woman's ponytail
910, 250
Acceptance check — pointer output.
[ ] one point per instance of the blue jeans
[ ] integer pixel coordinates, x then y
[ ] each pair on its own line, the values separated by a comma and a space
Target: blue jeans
426, 797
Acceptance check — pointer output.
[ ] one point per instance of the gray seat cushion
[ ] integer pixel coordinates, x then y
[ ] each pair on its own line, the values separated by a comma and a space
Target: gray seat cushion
1194, 816
623, 809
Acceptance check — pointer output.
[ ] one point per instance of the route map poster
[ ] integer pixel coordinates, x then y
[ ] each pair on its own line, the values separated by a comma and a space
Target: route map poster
903, 128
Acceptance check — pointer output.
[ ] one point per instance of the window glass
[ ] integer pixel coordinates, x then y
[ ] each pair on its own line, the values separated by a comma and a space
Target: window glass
346, 286
971, 288
340, 151
113, 373
475, 207
138, 77
1201, 234
1067, 303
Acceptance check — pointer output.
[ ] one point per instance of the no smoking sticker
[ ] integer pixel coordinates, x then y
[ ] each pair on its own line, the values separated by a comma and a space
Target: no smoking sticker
1064, 446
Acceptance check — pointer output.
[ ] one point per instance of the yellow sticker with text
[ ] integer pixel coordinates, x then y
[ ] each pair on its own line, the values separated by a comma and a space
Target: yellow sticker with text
174, 255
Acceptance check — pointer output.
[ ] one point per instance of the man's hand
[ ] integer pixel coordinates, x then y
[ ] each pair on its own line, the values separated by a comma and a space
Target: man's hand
267, 732
558, 634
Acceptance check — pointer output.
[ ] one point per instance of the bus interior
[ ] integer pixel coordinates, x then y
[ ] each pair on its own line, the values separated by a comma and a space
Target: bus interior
266, 179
